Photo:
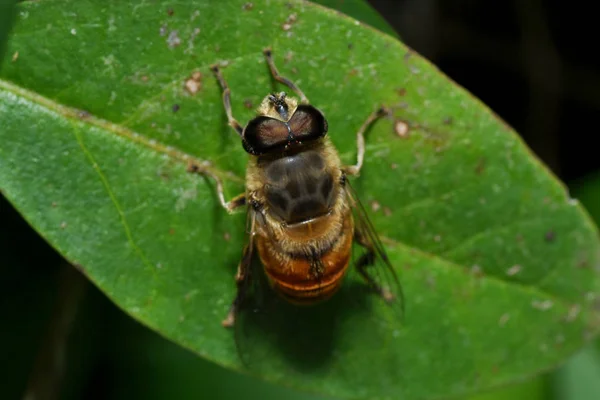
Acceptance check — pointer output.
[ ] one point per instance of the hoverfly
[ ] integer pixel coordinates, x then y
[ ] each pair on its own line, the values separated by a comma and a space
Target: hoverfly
303, 215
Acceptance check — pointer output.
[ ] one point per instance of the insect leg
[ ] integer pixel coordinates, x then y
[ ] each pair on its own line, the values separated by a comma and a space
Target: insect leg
237, 202
242, 280
367, 260
360, 140
227, 99
269, 56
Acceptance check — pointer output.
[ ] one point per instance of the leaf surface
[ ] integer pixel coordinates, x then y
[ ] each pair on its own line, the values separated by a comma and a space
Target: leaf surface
499, 265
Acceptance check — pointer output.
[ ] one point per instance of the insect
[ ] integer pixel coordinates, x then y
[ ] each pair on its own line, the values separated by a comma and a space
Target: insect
303, 215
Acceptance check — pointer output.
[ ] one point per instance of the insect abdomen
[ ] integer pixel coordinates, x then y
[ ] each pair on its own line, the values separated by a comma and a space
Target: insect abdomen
293, 275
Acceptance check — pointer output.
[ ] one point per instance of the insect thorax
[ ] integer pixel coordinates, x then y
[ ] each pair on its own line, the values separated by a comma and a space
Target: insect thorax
300, 185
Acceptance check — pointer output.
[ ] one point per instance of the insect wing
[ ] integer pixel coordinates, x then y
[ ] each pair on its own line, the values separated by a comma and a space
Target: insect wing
380, 269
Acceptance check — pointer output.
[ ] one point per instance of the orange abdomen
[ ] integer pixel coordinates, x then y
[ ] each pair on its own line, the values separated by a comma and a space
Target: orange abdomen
292, 276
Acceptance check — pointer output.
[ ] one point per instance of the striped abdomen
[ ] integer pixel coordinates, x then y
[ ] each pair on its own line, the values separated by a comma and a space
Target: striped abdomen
293, 275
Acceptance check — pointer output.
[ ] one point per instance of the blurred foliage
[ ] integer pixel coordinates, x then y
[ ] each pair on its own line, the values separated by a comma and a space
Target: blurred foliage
361, 11
7, 17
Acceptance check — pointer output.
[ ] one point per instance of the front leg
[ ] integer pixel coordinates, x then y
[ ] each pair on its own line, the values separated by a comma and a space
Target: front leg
231, 205
275, 73
227, 100
360, 141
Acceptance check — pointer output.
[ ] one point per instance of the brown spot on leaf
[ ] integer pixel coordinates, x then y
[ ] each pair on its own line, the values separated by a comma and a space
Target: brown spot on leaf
401, 91
514, 270
289, 22
248, 6
164, 175
542, 305
573, 313
176, 108
550, 236
226, 236
476, 271
171, 231
288, 56
447, 121
170, 12
192, 167
248, 104
351, 73
503, 319
194, 83
401, 128
375, 206
480, 167
15, 56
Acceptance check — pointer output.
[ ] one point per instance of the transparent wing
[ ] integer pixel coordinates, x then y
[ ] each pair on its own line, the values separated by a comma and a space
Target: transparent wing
374, 265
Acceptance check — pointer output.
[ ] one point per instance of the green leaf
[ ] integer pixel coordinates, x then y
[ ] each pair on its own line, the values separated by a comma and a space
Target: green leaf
579, 378
498, 264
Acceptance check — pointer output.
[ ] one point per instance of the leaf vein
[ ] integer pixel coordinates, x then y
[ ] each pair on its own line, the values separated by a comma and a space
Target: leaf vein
73, 114
449, 263
113, 199
494, 229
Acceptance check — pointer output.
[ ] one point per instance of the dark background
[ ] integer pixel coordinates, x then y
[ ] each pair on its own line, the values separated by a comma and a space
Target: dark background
533, 62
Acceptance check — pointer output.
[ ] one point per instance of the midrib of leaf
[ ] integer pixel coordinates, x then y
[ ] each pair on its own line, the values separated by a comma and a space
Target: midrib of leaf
83, 116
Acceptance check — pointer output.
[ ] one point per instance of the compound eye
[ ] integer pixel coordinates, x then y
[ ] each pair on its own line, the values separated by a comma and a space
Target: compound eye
264, 133
308, 123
